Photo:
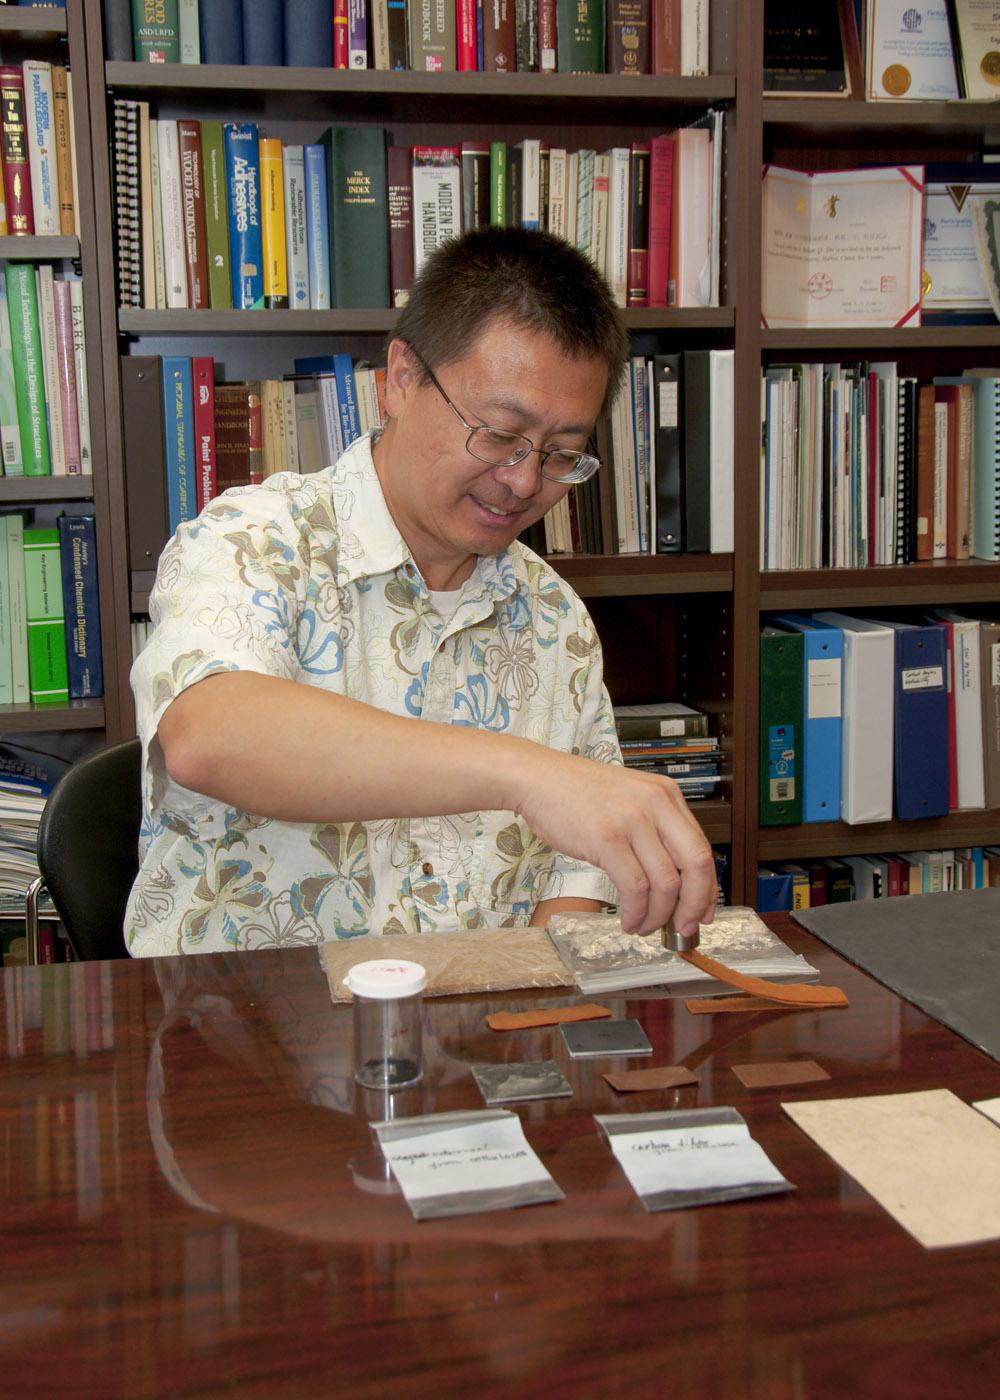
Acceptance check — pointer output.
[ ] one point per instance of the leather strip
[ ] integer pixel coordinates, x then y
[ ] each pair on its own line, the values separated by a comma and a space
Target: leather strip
714, 1006
780, 992
546, 1016
662, 1077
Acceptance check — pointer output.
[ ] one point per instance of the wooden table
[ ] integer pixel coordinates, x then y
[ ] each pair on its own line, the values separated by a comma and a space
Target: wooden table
192, 1205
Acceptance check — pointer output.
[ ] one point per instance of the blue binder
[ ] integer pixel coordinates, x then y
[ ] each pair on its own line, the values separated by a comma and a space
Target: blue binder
823, 714
920, 720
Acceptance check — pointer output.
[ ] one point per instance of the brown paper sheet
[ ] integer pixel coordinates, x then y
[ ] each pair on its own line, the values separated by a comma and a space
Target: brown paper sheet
770, 991
661, 1077
468, 960
545, 1016
766, 1076
714, 1006
929, 1159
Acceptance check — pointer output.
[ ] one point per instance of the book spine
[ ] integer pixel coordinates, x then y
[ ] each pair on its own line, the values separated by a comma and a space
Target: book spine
10, 430
189, 39
475, 185
193, 208
220, 30
526, 27
6, 661
50, 367
638, 253
179, 440
661, 177
431, 34
74, 173
172, 205
548, 44
255, 438
580, 36
118, 31
272, 192
45, 618
296, 239
499, 37
213, 163
628, 36
203, 376
291, 428
359, 222
41, 145
155, 31
396, 14
437, 200
29, 375
16, 164
245, 242
694, 39
380, 35
309, 34
127, 205
617, 269
61, 121
263, 33
159, 258
317, 228
498, 183
78, 561
401, 234
357, 34
347, 400
20, 680
68, 396
340, 33
466, 48
666, 22
80, 368
147, 240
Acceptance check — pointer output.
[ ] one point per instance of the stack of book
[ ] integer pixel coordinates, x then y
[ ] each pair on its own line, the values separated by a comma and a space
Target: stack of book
865, 718
217, 215
39, 150
672, 740
861, 465
791, 886
666, 36
27, 777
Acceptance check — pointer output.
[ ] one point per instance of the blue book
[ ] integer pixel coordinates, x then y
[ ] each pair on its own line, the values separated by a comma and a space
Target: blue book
82, 611
774, 890
823, 714
317, 228
178, 430
263, 33
30, 768
220, 29
308, 33
246, 246
920, 720
342, 366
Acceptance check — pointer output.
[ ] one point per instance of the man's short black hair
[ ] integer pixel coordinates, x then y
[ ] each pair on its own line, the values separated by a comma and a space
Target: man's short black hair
529, 279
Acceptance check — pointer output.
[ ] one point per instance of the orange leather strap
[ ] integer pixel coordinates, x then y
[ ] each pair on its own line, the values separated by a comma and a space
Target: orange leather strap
780, 992
546, 1016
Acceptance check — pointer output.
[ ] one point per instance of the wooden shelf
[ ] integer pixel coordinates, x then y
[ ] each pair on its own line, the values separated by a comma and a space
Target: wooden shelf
37, 247
46, 488
857, 341
837, 838
78, 714
362, 321
914, 119
620, 575
943, 581
27, 19
715, 817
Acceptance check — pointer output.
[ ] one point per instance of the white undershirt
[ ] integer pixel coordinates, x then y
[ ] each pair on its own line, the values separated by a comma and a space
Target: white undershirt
445, 602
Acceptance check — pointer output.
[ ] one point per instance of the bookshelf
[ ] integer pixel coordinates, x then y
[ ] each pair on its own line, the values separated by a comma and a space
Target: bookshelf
684, 626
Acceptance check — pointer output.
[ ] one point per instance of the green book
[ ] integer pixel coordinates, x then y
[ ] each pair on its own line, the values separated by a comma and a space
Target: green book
498, 183
781, 727
213, 161
156, 35
357, 186
29, 373
18, 625
45, 618
580, 36
10, 429
6, 663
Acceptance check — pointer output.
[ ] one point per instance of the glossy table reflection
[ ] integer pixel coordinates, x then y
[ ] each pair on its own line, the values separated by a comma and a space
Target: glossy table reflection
193, 1205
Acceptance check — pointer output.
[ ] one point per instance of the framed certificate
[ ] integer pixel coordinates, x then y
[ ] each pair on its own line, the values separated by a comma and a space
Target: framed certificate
977, 24
842, 247
909, 54
953, 286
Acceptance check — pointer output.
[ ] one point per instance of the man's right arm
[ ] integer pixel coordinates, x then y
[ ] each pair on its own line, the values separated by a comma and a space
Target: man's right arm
297, 753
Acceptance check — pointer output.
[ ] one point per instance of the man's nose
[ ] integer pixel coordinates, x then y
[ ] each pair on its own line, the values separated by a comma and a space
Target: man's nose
524, 478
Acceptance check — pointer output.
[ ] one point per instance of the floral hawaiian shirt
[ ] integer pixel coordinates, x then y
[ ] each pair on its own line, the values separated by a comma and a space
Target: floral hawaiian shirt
308, 578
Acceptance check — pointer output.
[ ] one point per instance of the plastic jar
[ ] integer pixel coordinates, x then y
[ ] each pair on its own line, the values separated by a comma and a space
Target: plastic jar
387, 1031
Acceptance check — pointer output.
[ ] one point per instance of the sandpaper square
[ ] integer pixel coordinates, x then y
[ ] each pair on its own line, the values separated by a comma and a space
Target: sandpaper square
660, 1077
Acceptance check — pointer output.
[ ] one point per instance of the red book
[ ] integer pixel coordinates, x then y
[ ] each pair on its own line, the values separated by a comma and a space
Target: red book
925, 472
661, 195
499, 37
340, 33
466, 51
193, 210
16, 170
203, 374
638, 225
817, 885
666, 24
255, 439
68, 394
547, 36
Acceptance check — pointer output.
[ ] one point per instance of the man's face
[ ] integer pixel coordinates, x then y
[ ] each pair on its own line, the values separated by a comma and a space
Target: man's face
448, 506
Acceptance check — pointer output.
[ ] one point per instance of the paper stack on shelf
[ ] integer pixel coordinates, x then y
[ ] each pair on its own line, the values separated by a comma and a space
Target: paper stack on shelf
601, 958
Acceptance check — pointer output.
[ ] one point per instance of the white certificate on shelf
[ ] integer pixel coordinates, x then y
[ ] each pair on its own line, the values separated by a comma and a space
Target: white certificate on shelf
954, 279
978, 24
842, 247
909, 52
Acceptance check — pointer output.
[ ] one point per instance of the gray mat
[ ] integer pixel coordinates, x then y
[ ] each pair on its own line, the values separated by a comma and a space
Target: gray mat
939, 951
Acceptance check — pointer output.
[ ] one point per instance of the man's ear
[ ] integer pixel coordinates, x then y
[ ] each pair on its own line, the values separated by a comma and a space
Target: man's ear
402, 376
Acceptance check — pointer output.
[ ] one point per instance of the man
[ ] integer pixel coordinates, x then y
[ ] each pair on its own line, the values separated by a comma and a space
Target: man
364, 705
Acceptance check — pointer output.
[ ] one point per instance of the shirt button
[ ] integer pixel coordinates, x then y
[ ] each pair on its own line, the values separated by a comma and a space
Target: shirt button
427, 868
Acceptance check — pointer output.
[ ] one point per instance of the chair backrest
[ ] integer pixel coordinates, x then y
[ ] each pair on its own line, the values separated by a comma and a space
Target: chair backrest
88, 847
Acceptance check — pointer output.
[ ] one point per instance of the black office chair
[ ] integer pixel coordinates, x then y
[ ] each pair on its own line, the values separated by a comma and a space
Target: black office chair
88, 851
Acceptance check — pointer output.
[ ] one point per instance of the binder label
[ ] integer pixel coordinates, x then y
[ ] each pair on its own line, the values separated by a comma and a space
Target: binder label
923, 678
995, 662
781, 762
823, 689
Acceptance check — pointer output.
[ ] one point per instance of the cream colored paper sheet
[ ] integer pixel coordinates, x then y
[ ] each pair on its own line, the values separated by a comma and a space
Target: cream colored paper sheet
929, 1159
477, 960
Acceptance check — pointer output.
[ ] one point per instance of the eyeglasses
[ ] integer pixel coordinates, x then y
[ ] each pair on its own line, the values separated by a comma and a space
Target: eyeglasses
500, 448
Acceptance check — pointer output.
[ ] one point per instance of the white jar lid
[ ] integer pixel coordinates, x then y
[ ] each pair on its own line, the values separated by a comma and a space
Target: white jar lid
386, 977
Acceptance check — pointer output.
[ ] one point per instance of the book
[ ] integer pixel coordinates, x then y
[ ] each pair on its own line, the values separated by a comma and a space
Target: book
66, 372
694, 44
172, 214
10, 429
867, 744
437, 199
147, 227
296, 238
781, 727
466, 45
628, 36
263, 33
127, 203
159, 255
144, 443
193, 214
499, 40
432, 35
317, 227
272, 196
690, 220
50, 367
29, 374
637, 292
16, 161
237, 434
216, 203
156, 31
399, 194
667, 453
661, 189
580, 36
41, 145
203, 380
359, 225
118, 30
823, 655
178, 414
78, 561
44, 617
20, 682
63, 146
189, 39
966, 770
667, 719
246, 252
308, 33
